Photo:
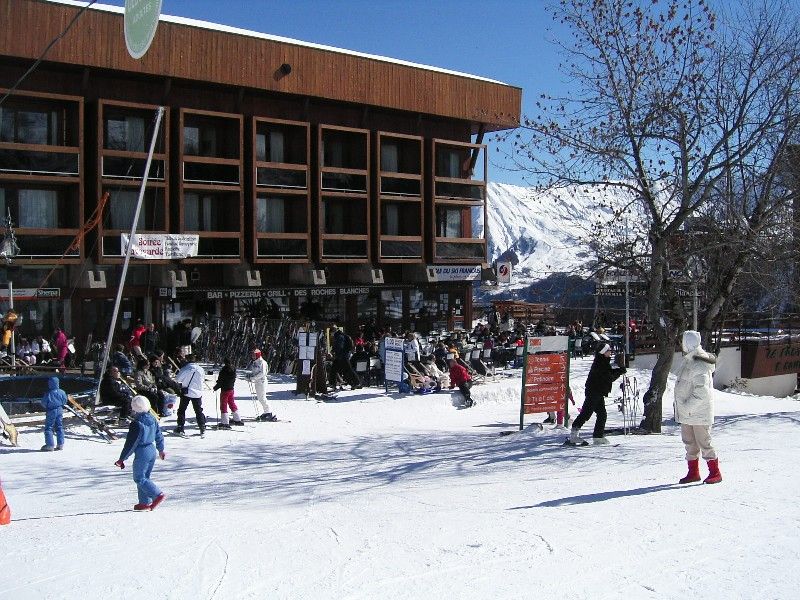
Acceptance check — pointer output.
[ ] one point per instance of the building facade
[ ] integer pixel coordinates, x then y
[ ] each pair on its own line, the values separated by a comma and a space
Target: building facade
306, 180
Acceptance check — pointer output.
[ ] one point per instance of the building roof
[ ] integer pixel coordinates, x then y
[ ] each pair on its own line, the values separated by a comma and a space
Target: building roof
200, 51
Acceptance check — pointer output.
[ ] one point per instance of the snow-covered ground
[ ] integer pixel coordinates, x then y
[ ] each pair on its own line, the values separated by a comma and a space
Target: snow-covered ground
376, 496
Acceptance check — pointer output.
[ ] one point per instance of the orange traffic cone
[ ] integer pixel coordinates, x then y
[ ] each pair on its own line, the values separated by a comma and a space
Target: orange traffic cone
5, 510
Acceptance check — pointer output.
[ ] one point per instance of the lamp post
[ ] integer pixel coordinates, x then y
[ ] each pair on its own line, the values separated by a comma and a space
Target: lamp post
696, 269
8, 251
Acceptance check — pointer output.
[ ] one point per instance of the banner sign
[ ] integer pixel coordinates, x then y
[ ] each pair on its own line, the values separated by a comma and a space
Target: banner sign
162, 246
393, 369
545, 375
458, 273
504, 272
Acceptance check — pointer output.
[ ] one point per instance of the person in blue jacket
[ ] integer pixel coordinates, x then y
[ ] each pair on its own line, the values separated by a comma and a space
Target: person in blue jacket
143, 439
53, 402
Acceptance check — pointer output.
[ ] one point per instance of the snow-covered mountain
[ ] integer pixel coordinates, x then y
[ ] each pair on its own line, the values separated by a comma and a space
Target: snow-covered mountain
543, 232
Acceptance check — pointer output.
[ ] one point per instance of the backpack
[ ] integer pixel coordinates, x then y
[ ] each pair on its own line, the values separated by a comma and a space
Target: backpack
341, 344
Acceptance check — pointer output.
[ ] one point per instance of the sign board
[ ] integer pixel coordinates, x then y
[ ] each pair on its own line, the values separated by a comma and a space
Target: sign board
457, 273
765, 360
32, 293
504, 272
141, 22
393, 367
161, 246
549, 343
545, 375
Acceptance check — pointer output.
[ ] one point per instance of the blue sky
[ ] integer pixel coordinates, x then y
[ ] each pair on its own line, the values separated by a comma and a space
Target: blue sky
500, 39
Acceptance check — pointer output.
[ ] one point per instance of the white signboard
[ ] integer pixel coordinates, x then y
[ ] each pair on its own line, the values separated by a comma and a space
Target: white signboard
394, 359
549, 343
161, 246
504, 272
458, 273
140, 24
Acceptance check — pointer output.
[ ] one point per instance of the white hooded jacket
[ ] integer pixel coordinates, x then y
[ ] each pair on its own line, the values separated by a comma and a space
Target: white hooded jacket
694, 398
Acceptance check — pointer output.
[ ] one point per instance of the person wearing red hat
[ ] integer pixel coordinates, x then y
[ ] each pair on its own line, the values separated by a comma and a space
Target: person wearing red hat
257, 374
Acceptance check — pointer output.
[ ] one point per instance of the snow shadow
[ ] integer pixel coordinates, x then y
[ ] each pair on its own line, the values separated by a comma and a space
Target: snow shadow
81, 514
601, 496
340, 468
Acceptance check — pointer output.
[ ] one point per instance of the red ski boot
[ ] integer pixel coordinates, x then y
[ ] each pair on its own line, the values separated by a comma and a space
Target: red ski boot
694, 471
158, 500
714, 476
141, 507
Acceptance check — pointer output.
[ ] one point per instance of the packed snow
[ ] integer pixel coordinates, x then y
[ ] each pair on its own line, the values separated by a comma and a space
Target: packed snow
407, 496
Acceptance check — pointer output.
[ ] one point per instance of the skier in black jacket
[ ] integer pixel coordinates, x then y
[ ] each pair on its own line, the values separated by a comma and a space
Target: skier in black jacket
226, 380
598, 386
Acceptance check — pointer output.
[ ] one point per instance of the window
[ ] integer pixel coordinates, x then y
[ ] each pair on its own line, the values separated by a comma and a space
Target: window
271, 215
448, 222
389, 157
125, 132
269, 147
31, 125
401, 218
449, 162
36, 208
211, 137
122, 207
210, 212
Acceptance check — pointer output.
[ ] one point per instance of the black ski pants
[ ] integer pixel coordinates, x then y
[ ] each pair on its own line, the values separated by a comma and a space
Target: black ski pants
464, 388
197, 405
593, 404
343, 368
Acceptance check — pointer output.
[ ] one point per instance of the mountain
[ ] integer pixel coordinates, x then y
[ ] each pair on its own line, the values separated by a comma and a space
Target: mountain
542, 232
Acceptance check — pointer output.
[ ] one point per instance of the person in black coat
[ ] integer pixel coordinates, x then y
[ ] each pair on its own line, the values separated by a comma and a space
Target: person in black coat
114, 392
226, 380
598, 386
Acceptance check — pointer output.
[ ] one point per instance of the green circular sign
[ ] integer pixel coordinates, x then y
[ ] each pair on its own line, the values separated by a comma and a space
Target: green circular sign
141, 21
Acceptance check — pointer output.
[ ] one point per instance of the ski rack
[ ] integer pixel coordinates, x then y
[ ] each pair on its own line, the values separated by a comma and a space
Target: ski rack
628, 403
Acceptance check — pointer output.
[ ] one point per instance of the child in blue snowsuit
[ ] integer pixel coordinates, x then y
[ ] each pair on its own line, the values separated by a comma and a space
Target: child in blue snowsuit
142, 434
53, 402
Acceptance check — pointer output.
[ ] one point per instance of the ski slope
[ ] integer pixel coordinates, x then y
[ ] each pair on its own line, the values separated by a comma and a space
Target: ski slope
387, 496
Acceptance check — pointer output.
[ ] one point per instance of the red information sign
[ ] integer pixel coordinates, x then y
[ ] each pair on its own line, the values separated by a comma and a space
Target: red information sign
545, 383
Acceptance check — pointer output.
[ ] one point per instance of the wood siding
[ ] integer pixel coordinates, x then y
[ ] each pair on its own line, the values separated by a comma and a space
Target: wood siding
193, 53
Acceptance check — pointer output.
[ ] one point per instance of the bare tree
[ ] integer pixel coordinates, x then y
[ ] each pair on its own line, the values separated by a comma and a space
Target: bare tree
671, 107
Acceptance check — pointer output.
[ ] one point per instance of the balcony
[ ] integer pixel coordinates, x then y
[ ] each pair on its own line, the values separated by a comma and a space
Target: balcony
459, 203
281, 196
41, 166
344, 207
210, 186
125, 131
400, 198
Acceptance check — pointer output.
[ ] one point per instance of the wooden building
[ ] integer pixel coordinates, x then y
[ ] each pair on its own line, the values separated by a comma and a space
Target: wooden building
316, 180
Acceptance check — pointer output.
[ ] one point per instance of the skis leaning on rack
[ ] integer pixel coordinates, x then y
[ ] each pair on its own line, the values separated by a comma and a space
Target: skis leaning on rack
89, 419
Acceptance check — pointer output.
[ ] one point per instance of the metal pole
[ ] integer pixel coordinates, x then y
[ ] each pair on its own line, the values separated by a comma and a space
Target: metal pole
627, 315
694, 305
121, 287
12, 345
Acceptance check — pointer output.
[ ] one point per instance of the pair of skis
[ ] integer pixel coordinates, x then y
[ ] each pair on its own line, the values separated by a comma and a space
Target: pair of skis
88, 418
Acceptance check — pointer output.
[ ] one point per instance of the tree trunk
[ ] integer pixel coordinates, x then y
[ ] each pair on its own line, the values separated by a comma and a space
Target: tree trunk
653, 404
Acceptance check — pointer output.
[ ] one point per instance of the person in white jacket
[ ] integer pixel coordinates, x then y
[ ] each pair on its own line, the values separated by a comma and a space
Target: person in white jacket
191, 377
257, 374
694, 408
